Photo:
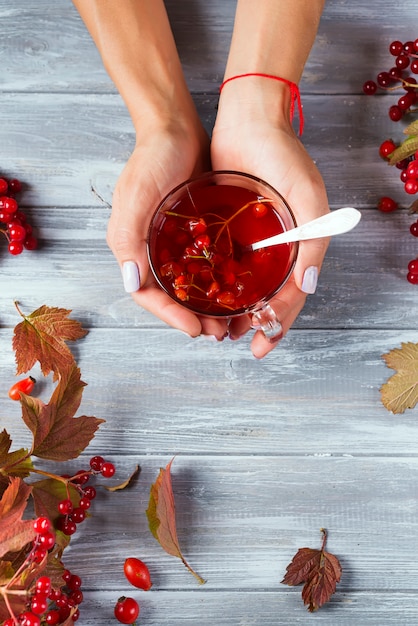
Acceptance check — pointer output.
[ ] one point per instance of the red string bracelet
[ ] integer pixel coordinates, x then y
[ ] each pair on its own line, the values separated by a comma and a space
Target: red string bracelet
294, 93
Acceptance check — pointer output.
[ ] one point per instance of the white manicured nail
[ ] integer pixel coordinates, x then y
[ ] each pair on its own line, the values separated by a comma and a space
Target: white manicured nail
310, 279
130, 275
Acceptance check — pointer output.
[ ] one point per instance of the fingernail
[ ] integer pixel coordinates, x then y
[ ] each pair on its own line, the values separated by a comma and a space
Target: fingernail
310, 279
130, 275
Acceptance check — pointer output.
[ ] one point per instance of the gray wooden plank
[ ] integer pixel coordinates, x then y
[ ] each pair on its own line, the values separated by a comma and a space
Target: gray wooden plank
351, 46
362, 285
315, 394
63, 146
241, 520
253, 608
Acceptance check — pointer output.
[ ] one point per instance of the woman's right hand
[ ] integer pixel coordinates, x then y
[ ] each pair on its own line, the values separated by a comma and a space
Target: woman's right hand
165, 156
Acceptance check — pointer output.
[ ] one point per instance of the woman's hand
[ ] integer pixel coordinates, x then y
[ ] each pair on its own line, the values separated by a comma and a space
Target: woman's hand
273, 152
163, 158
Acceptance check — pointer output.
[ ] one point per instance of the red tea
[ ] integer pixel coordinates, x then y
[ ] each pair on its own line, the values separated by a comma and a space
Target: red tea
200, 249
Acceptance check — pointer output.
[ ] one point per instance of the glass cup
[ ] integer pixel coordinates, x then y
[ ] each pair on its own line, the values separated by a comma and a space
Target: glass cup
199, 247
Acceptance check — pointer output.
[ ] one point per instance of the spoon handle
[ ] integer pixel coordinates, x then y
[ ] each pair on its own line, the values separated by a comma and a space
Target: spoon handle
334, 223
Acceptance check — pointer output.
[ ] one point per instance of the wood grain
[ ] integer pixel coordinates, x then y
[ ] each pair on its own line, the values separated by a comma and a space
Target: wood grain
267, 452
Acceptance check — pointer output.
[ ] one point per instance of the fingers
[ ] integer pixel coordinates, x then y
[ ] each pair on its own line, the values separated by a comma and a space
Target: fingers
287, 306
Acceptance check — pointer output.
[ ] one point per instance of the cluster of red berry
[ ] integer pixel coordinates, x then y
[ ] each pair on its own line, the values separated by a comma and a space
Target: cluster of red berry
16, 228
399, 77
70, 515
47, 604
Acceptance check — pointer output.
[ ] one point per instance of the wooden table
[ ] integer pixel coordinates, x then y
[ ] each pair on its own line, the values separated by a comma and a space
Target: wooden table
268, 452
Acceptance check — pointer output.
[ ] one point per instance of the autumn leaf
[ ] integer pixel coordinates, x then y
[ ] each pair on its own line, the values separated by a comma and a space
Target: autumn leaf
47, 493
126, 483
17, 463
407, 147
42, 336
57, 434
14, 532
400, 392
161, 514
319, 570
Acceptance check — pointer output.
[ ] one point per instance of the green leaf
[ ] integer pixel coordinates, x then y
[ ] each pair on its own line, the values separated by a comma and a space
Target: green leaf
412, 129
406, 149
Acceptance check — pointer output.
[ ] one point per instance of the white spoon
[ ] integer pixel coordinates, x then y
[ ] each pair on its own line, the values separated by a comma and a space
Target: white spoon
334, 223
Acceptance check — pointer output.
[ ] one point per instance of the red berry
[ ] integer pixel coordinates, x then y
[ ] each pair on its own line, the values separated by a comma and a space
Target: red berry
30, 243
42, 525
96, 463
395, 48
412, 278
126, 610
369, 87
386, 148
74, 582
260, 209
196, 226
411, 186
137, 573
4, 185
395, 113
89, 492
413, 266
402, 61
412, 169
108, 469
15, 247
84, 503
52, 618
39, 605
25, 386
65, 507
413, 229
15, 185
78, 515
8, 205
29, 619
47, 540
386, 204
43, 585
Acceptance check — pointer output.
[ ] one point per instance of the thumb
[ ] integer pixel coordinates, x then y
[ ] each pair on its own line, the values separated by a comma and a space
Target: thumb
126, 237
309, 262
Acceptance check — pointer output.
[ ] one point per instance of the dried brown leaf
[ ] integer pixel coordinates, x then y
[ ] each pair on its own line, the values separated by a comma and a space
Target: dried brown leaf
42, 337
14, 532
400, 392
319, 570
161, 514
57, 434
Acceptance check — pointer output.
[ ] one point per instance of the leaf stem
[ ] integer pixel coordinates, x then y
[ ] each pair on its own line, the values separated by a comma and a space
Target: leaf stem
200, 580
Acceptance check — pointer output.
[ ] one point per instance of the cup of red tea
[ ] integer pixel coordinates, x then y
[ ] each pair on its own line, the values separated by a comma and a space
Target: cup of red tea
199, 246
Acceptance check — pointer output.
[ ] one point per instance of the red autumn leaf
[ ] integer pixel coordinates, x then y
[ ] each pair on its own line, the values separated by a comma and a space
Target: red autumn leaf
14, 532
319, 570
48, 493
42, 336
17, 463
57, 434
161, 514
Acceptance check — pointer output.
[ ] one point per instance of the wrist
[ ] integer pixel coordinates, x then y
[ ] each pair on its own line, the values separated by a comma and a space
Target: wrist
256, 98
